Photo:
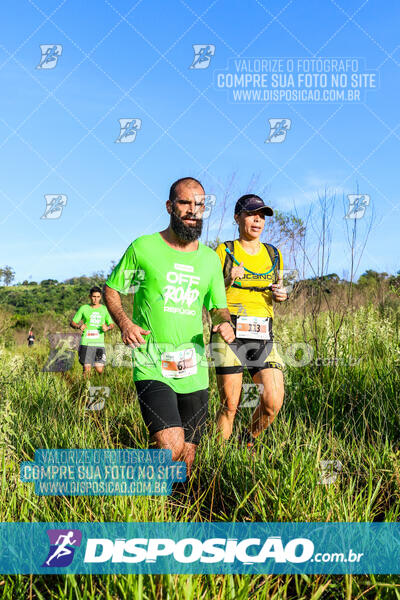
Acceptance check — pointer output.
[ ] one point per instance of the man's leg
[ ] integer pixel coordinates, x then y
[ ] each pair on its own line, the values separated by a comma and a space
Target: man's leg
100, 360
188, 455
172, 439
159, 407
86, 359
230, 389
271, 399
87, 370
229, 360
193, 411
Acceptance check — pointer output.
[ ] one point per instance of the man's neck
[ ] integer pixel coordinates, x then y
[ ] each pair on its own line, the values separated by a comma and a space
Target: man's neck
251, 245
170, 237
94, 305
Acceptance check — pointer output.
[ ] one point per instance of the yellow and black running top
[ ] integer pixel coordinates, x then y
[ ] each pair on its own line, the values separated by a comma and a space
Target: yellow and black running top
261, 270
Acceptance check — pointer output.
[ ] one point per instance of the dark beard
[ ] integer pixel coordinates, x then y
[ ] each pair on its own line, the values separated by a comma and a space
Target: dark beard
186, 233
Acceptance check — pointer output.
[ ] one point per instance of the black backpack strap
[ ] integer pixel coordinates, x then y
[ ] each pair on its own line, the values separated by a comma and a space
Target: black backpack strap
274, 256
228, 258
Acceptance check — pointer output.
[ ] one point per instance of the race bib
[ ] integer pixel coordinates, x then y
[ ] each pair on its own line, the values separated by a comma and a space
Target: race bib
181, 363
253, 327
92, 334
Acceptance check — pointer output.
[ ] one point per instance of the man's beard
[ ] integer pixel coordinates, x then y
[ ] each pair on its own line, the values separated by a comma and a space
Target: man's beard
187, 233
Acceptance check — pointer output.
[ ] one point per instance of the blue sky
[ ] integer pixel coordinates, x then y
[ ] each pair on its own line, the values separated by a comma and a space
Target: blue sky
125, 60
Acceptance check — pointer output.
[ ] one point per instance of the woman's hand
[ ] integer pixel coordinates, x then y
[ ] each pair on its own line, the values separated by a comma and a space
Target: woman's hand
279, 293
237, 272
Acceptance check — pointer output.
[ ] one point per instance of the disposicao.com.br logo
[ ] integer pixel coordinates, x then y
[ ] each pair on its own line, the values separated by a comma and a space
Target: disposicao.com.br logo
174, 547
248, 551
191, 550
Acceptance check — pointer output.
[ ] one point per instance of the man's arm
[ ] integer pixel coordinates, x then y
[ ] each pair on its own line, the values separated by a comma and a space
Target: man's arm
108, 324
77, 322
222, 323
131, 334
220, 315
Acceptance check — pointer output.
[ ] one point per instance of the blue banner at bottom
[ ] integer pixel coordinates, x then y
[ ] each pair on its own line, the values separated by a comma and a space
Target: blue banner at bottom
253, 548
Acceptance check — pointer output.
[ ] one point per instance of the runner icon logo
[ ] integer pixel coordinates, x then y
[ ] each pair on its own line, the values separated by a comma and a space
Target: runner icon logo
209, 201
133, 279
50, 55
62, 546
98, 395
357, 205
54, 206
202, 56
128, 130
251, 394
278, 129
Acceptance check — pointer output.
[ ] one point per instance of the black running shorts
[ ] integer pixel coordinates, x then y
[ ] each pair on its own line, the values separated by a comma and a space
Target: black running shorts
92, 355
254, 354
163, 408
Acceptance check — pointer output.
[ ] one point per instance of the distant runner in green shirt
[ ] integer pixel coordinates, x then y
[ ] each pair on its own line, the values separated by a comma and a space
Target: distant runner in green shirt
93, 320
173, 276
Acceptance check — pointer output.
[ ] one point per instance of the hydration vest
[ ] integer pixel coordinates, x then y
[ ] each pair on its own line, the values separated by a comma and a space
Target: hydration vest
229, 260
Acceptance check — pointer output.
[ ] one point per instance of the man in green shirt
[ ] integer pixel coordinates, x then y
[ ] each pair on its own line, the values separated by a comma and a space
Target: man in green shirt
174, 276
93, 320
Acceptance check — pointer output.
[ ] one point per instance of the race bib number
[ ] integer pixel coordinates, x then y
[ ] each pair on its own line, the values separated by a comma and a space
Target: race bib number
253, 327
92, 334
181, 363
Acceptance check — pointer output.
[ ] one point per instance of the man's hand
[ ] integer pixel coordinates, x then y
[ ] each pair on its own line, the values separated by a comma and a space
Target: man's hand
131, 335
82, 327
105, 327
279, 294
226, 332
237, 272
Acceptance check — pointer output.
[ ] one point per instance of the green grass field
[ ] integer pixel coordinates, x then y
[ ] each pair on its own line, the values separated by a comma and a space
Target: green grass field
346, 412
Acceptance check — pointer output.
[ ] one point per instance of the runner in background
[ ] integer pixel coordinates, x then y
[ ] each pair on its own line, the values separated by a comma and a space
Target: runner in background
177, 276
93, 320
31, 337
253, 279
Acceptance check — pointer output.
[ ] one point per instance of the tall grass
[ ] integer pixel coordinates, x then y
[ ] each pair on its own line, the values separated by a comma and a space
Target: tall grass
346, 412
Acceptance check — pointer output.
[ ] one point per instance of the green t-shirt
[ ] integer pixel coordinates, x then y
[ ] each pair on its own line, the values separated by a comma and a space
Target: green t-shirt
170, 288
93, 318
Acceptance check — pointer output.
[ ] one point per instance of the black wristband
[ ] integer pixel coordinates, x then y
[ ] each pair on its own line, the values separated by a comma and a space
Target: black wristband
230, 323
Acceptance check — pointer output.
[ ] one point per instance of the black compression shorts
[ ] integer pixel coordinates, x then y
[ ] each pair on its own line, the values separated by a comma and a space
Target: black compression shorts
92, 355
163, 408
254, 354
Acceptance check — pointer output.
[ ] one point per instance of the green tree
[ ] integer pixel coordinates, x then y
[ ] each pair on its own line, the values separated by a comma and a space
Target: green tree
47, 282
371, 277
7, 274
285, 228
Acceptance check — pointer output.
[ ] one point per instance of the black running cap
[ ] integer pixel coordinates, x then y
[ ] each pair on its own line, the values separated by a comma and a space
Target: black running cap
251, 203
